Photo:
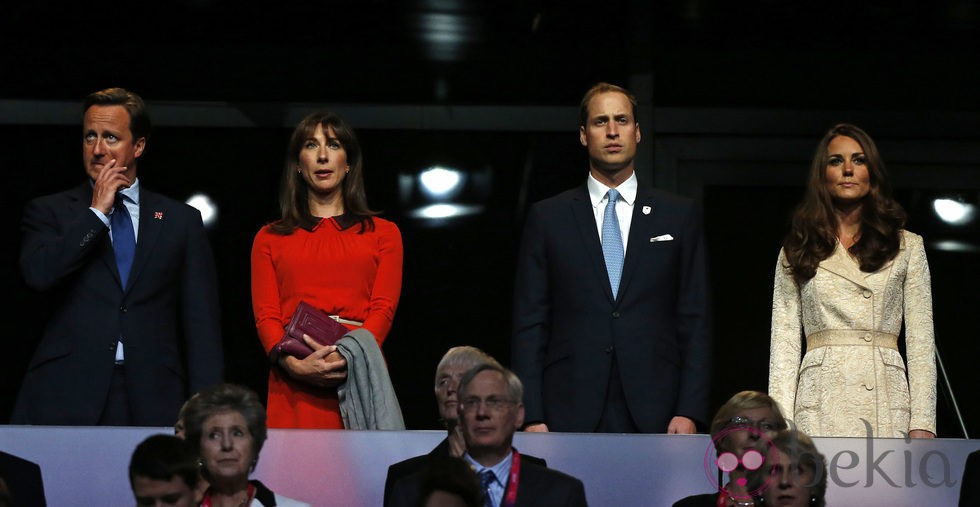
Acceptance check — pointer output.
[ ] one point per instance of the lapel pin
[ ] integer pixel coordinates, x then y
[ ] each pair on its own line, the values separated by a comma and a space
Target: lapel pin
646, 210
158, 215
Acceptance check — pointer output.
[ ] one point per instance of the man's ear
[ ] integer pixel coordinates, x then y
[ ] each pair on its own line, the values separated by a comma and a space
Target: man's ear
638, 133
581, 136
140, 146
519, 422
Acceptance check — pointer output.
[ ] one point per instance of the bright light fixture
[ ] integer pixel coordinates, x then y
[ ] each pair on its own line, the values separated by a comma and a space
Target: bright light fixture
207, 207
954, 212
440, 182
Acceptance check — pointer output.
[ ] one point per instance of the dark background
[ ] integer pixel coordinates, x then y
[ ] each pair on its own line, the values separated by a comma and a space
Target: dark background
734, 97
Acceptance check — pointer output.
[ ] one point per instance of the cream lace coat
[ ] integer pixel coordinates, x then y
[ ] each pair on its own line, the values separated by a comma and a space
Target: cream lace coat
858, 376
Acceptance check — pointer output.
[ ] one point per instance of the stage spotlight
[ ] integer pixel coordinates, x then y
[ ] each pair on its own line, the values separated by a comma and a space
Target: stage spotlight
954, 211
445, 211
207, 207
441, 183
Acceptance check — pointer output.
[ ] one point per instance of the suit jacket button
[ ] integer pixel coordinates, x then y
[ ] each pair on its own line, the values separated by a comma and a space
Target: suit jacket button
608, 350
123, 309
615, 315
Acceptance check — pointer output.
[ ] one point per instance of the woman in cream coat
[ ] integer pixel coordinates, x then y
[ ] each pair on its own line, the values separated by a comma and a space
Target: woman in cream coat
847, 276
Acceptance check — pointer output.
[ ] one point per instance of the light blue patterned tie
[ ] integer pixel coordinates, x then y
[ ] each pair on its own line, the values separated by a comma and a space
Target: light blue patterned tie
612, 241
123, 238
486, 479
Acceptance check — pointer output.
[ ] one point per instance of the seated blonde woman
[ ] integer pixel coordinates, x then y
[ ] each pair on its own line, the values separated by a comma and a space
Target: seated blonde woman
744, 423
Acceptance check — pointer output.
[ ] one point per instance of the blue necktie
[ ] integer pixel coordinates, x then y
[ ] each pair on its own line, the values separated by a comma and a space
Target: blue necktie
486, 479
612, 242
123, 238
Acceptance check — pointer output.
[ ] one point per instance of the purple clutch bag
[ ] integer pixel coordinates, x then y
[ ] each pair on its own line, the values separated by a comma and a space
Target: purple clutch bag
313, 322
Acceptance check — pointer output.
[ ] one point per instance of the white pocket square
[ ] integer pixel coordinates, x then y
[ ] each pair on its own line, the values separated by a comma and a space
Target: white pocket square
662, 237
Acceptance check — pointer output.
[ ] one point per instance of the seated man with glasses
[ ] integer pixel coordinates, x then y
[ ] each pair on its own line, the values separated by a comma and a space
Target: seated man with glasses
490, 411
454, 363
741, 431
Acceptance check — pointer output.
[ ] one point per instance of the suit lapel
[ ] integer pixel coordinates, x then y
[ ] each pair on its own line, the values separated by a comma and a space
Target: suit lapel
585, 223
841, 264
152, 218
640, 226
83, 194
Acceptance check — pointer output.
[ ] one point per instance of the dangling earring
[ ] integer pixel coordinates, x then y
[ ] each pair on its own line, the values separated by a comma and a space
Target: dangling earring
348, 167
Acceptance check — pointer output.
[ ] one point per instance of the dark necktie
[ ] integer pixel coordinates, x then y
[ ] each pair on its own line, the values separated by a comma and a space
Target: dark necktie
612, 242
486, 479
123, 238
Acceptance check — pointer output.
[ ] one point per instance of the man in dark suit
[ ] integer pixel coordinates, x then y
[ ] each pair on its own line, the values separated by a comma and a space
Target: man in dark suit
612, 327
164, 470
490, 411
453, 365
23, 481
130, 283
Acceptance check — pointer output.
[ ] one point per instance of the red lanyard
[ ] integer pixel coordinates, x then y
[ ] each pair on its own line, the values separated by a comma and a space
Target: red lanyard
251, 494
510, 496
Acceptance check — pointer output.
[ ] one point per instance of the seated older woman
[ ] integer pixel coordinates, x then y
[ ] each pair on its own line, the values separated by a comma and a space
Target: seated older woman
794, 473
225, 423
740, 431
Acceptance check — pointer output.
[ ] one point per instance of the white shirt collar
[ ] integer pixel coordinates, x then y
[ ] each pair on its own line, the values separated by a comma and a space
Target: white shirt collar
597, 191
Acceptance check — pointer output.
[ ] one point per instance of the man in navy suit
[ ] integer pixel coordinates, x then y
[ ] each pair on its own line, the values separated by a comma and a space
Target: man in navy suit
134, 324
619, 345
451, 368
490, 411
22, 478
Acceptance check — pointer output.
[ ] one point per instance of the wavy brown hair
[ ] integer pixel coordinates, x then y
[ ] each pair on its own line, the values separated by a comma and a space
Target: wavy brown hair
294, 204
813, 232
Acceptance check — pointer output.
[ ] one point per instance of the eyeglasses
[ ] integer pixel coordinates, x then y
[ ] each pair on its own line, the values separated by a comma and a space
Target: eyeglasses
491, 403
744, 422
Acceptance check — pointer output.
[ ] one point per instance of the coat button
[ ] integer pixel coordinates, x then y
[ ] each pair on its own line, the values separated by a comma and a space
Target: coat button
866, 294
615, 315
123, 309
608, 350
867, 337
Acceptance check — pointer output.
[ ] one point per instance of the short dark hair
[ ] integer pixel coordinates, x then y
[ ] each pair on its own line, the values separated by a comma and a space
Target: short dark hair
223, 398
139, 117
452, 475
163, 457
583, 113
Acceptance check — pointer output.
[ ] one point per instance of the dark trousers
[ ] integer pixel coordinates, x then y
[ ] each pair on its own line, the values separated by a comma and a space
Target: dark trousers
616, 417
116, 411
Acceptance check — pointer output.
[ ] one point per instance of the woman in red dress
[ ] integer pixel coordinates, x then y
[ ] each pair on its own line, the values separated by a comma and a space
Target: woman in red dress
330, 250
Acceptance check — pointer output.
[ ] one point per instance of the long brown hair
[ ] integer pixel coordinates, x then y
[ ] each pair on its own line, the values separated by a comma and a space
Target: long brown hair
813, 233
294, 203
